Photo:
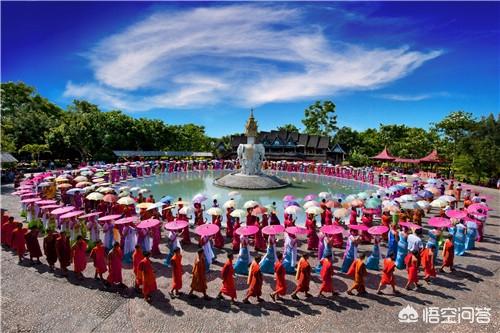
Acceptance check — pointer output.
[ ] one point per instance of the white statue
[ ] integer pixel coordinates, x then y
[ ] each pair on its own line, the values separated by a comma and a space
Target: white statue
251, 157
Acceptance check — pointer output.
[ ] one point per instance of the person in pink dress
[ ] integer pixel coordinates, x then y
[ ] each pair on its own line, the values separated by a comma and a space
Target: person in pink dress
312, 236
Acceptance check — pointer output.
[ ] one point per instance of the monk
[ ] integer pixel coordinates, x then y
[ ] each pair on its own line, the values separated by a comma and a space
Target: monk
358, 270
50, 249
33, 246
115, 257
148, 277
388, 274
427, 261
411, 262
326, 274
199, 281
98, 255
254, 281
303, 277
63, 252
227, 273
279, 276
176, 263
79, 250
18, 241
448, 254
7, 230
137, 257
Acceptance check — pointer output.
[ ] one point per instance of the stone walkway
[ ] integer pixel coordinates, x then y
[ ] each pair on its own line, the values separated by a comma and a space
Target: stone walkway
35, 300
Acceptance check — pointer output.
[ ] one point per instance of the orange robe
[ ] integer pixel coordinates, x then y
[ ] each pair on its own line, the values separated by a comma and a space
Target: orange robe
227, 273
254, 280
412, 268
427, 261
176, 263
303, 275
32, 244
18, 240
326, 276
63, 251
115, 266
148, 277
7, 230
136, 260
280, 273
358, 270
448, 253
199, 281
79, 256
98, 256
388, 272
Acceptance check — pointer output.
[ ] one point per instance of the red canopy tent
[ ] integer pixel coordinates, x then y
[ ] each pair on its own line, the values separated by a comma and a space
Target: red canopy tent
406, 160
433, 157
384, 156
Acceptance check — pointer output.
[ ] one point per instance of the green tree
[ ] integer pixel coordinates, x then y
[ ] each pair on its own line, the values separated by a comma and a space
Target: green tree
35, 150
347, 138
320, 118
288, 128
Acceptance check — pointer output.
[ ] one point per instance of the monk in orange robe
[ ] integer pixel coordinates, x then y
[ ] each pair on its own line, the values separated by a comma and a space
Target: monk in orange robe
199, 281
279, 276
411, 261
448, 254
7, 229
427, 261
176, 263
254, 281
137, 257
326, 274
63, 252
148, 277
50, 248
388, 274
358, 270
227, 273
115, 265
18, 241
303, 277
98, 255
79, 250
33, 245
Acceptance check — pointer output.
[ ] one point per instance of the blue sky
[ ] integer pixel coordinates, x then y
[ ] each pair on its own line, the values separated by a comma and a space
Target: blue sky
209, 63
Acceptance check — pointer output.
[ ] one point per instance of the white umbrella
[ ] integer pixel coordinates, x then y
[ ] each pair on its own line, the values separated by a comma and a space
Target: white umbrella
447, 198
314, 210
124, 188
439, 203
95, 196
250, 204
423, 204
186, 210
311, 204
238, 213
126, 201
156, 205
325, 195
229, 204
134, 189
214, 211
123, 194
293, 210
143, 190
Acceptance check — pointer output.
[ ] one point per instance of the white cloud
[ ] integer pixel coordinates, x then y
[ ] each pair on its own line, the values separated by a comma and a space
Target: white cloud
412, 98
245, 54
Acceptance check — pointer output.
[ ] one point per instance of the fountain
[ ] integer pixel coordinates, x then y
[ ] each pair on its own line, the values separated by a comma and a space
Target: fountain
251, 155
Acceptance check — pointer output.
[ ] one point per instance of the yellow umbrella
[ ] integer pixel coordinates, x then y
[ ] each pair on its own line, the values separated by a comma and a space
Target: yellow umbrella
126, 201
96, 196
80, 179
98, 180
64, 186
145, 205
229, 204
214, 211
238, 213
314, 210
105, 190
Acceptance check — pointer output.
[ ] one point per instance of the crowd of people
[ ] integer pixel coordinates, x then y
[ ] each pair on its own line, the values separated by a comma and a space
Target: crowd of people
82, 215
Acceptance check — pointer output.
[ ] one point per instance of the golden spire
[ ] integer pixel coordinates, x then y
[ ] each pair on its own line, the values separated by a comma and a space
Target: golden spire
251, 126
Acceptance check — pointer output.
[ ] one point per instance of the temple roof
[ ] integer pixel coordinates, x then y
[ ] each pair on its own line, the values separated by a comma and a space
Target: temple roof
384, 156
433, 157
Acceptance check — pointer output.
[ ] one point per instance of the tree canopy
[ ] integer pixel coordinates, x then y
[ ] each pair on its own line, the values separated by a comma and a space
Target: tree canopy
320, 118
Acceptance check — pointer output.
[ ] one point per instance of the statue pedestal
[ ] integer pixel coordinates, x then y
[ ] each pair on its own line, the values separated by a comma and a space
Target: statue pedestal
250, 182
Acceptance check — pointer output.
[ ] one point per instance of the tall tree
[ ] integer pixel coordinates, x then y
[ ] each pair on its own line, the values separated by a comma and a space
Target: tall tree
288, 128
320, 118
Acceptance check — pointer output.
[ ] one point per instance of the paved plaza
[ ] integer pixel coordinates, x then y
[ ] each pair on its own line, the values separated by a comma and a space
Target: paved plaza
36, 300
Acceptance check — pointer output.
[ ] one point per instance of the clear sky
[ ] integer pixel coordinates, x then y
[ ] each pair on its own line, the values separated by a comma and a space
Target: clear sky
209, 63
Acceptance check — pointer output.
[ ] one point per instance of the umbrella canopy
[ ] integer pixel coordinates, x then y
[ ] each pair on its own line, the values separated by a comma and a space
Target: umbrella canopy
410, 225
74, 190
176, 225
229, 204
331, 229
105, 189
407, 198
356, 203
439, 203
156, 205
109, 217
259, 210
126, 201
135, 189
200, 197
80, 179
73, 213
124, 194
310, 204
340, 213
62, 210
291, 203
51, 207
310, 197
456, 214
143, 190
145, 205
214, 211
373, 203
378, 230
98, 180
409, 205
363, 195
31, 200
110, 198
447, 198
45, 202
167, 198
296, 230
273, 229
96, 196
238, 213
439, 222
148, 223
207, 229
250, 204
289, 197
423, 204
247, 230
478, 208
186, 210
124, 188
293, 210
359, 227
425, 194
44, 184
331, 204
324, 195
65, 185
314, 210
90, 215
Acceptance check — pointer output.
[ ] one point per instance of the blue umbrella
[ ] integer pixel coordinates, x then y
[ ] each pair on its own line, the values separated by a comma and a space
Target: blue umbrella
425, 194
291, 203
166, 198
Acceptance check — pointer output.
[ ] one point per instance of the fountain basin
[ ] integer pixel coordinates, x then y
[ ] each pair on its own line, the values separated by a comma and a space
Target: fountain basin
251, 182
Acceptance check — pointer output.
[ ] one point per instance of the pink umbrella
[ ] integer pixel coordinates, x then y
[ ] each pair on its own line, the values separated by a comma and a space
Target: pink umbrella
110, 198
478, 208
62, 210
259, 210
439, 222
456, 214
310, 197
148, 223
273, 229
109, 218
27, 195
45, 202
410, 225
378, 230
176, 225
296, 230
90, 215
127, 220
247, 230
24, 187
22, 192
31, 200
71, 214
331, 229
53, 206
289, 197
206, 229
359, 227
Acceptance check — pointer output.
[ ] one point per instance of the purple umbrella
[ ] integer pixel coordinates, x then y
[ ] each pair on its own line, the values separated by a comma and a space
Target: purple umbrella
310, 197
289, 197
